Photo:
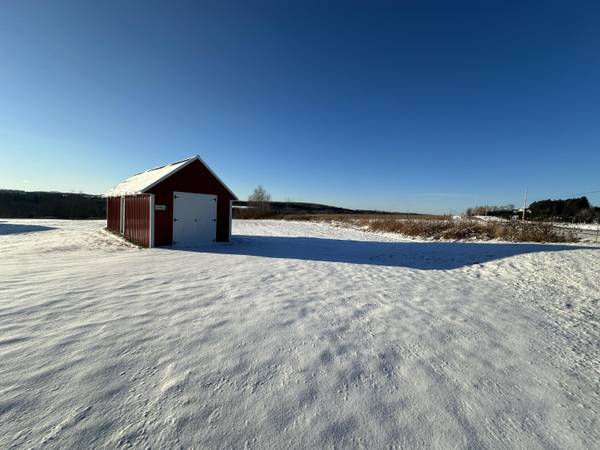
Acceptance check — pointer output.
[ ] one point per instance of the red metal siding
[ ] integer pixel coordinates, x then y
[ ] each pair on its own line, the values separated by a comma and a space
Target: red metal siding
113, 214
193, 178
137, 219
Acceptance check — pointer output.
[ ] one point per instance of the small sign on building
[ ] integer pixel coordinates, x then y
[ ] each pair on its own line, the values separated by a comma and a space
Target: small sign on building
160, 207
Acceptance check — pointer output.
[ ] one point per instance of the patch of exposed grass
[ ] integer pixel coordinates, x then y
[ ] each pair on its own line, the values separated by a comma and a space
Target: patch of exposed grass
446, 228
436, 227
514, 231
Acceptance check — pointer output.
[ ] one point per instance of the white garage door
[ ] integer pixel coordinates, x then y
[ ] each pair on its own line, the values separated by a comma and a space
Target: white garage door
194, 219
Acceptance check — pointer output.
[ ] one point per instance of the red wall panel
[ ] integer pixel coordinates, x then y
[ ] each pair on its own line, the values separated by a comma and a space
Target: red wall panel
113, 214
137, 219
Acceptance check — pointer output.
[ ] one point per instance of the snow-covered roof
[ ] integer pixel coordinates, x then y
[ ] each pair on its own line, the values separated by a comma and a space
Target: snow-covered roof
141, 182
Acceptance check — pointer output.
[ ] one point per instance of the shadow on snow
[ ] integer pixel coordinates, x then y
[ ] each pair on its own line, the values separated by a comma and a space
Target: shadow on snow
414, 255
13, 228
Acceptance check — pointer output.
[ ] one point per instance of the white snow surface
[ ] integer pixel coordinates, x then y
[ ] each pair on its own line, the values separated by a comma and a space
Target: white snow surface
580, 226
140, 182
490, 219
295, 335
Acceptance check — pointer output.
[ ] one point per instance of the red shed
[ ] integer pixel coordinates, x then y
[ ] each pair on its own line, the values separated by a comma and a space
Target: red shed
183, 204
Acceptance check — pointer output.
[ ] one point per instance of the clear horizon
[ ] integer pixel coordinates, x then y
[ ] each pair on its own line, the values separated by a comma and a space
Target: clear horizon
423, 107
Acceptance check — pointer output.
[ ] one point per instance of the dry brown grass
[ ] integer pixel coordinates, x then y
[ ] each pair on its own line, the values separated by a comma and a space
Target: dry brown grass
446, 228
435, 227
253, 213
514, 231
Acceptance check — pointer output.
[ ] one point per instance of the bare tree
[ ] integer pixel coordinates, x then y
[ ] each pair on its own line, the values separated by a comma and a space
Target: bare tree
259, 201
260, 195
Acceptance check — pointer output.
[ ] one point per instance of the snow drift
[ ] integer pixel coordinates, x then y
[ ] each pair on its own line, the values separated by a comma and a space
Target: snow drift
295, 335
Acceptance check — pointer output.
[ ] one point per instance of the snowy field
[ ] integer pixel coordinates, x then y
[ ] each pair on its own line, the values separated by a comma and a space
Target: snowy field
585, 232
295, 335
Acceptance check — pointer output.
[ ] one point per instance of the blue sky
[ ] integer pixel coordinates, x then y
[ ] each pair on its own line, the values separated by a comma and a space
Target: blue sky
421, 106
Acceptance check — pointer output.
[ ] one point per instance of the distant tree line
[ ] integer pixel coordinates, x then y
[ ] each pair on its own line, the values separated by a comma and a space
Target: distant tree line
568, 210
491, 210
260, 206
55, 205
58, 205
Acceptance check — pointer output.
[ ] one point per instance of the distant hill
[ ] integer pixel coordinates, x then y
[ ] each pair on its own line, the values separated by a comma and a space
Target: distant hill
51, 205
60, 205
283, 208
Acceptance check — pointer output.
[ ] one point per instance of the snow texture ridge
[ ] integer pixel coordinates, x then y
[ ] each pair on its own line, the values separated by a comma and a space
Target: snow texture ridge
295, 335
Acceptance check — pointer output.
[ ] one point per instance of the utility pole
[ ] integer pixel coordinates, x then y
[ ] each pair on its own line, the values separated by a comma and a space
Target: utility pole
524, 204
